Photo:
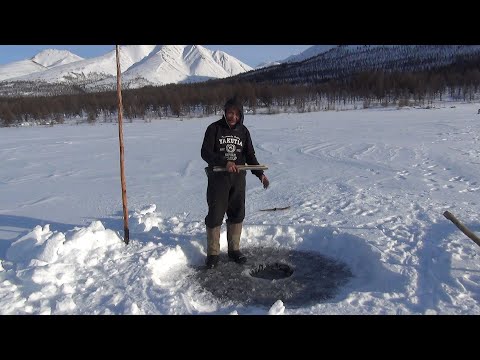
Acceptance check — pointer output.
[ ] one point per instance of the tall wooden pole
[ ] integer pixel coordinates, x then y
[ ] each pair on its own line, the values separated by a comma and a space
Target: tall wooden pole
122, 155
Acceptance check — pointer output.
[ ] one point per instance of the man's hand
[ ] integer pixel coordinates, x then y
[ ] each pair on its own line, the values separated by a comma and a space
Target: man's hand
265, 181
231, 167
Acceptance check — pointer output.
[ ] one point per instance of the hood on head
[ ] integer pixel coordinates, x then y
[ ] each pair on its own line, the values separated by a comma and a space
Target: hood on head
235, 103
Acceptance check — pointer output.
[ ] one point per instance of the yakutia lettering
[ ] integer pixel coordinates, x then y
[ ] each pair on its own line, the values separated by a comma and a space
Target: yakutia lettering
230, 140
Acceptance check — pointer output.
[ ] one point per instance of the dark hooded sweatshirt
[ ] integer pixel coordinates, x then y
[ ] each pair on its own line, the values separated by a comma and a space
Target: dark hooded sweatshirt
222, 143
226, 191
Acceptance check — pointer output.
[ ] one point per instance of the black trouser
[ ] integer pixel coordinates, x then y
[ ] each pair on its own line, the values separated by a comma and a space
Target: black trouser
225, 193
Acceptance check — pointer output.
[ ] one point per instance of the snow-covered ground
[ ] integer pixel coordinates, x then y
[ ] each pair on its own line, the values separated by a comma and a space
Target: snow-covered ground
367, 188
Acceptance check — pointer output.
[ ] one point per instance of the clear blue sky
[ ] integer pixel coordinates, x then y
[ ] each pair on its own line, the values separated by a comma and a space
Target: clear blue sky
249, 54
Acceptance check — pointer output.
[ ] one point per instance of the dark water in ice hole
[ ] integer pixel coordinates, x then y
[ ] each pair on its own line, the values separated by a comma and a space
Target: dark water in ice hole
298, 278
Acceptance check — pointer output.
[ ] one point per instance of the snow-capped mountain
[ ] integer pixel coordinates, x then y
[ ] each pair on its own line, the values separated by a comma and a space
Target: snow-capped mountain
310, 52
43, 61
93, 69
230, 64
51, 58
267, 64
140, 65
19, 68
168, 64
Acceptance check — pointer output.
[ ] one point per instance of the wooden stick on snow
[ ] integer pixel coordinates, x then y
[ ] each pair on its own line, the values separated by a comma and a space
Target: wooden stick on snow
462, 227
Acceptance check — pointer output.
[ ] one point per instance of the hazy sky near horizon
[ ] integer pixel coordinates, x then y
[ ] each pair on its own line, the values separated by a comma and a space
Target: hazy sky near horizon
252, 55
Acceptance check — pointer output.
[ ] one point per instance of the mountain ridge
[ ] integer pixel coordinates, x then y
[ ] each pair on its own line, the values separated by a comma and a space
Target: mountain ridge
346, 60
140, 65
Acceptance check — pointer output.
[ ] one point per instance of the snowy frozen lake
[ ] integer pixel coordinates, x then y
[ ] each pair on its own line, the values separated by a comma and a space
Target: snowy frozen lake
366, 187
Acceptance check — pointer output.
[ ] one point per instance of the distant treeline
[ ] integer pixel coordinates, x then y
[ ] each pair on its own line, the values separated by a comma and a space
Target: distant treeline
459, 81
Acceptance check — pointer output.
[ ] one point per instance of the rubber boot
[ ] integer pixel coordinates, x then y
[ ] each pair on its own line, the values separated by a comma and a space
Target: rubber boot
213, 247
234, 232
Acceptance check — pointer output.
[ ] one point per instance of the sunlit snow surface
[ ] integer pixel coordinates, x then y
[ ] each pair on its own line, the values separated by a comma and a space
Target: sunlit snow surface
364, 233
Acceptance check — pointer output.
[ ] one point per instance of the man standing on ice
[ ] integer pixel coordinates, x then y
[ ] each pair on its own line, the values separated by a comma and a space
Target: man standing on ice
227, 143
